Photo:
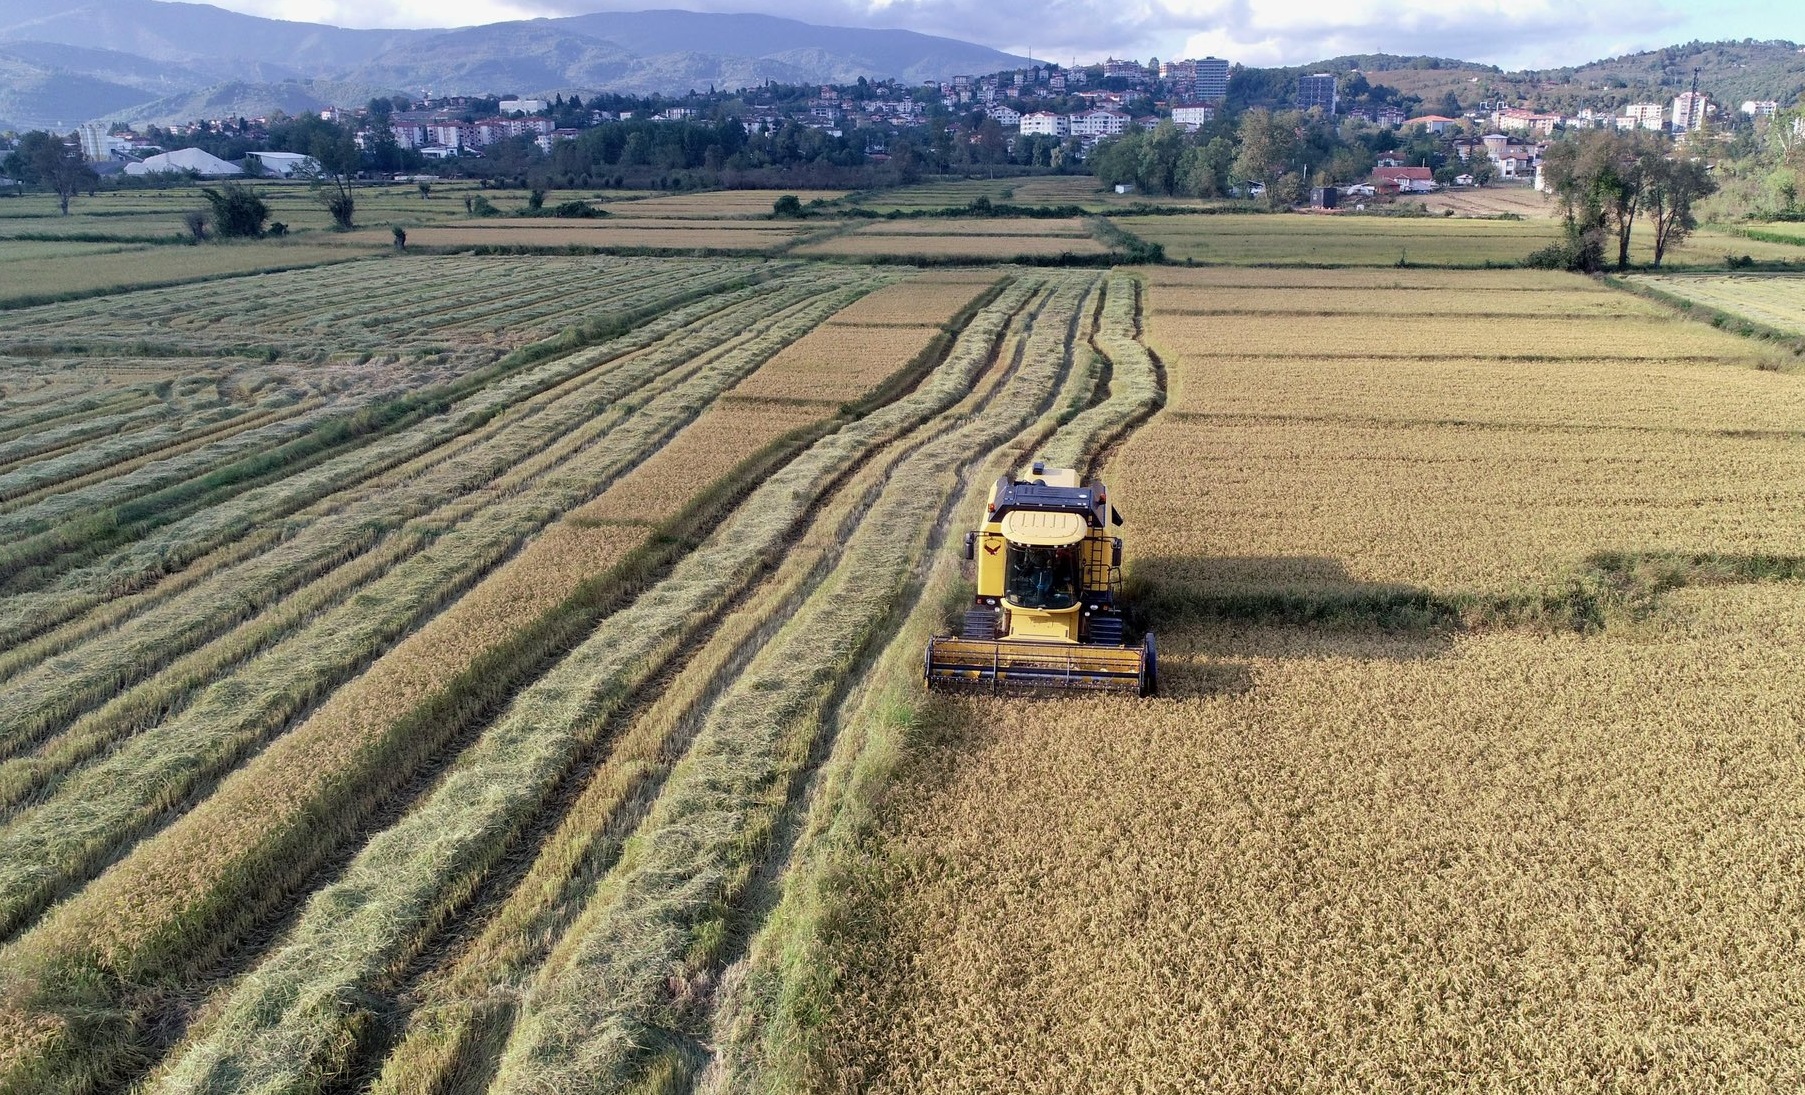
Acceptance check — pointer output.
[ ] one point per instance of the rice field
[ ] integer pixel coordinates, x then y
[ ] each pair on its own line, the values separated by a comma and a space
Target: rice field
1023, 240
1776, 301
715, 204
1042, 190
1476, 763
434, 674
600, 235
1348, 239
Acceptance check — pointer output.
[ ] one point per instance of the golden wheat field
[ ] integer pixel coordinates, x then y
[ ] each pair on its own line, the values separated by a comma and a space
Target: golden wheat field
499, 674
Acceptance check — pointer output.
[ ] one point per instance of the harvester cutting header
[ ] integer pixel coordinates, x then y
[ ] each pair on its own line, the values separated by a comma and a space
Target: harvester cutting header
1049, 579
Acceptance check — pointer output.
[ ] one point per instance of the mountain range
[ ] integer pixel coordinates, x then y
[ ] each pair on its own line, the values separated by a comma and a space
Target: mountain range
68, 61
63, 62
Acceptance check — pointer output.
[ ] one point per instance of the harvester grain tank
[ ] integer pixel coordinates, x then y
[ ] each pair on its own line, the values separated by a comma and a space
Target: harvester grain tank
1047, 611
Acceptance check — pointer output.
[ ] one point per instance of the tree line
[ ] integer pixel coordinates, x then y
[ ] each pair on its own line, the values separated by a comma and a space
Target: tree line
1608, 183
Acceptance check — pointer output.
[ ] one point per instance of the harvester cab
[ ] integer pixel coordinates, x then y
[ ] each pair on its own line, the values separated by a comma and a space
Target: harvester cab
1047, 611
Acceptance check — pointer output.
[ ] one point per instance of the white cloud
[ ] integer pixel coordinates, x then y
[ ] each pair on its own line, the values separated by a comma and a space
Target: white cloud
1511, 33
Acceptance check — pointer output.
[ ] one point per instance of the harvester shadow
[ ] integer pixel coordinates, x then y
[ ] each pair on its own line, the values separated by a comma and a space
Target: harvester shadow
1214, 616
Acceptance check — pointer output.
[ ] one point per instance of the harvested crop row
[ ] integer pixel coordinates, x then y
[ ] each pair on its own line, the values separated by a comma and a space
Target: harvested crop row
94, 462
457, 1024
713, 238
659, 918
398, 458
163, 632
204, 880
48, 847
406, 876
1134, 383
778, 1019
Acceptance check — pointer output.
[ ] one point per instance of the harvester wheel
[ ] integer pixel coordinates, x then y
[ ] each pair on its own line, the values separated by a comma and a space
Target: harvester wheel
1150, 670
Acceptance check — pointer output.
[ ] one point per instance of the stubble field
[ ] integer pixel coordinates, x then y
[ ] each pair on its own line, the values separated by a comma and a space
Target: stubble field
456, 673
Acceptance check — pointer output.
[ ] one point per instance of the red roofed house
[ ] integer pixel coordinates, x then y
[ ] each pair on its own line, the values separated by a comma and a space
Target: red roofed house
1404, 180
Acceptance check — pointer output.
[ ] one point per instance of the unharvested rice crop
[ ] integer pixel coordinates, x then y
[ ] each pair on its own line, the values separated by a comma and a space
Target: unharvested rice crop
702, 452
1360, 862
1448, 332
1773, 300
1385, 305
1440, 280
1475, 765
837, 363
1271, 239
33, 280
979, 226
980, 248
917, 301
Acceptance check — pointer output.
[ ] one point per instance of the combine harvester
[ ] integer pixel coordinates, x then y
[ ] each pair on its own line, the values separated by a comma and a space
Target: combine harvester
1046, 616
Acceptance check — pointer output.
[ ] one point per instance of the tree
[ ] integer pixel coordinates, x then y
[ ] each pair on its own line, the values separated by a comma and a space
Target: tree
789, 205
1208, 170
237, 210
336, 161
44, 160
1673, 185
1269, 149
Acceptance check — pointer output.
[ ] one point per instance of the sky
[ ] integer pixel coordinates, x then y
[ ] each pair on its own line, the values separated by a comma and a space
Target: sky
1510, 33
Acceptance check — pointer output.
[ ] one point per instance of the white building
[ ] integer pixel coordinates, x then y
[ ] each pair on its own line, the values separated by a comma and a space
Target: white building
184, 160
97, 145
281, 165
1098, 123
1194, 114
1760, 108
1689, 109
1005, 116
1045, 123
523, 106
1646, 115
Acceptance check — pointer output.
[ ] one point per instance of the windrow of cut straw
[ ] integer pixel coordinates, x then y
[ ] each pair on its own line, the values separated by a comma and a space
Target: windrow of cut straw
295, 1018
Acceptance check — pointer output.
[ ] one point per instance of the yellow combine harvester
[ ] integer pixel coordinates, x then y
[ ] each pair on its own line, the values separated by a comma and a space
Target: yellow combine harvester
1049, 574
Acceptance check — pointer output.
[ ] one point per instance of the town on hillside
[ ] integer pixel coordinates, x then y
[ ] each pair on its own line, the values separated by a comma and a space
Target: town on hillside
1359, 137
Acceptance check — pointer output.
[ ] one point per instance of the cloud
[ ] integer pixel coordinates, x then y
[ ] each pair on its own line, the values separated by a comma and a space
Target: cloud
1510, 33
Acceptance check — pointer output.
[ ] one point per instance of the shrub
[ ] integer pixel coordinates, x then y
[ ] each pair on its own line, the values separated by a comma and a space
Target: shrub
237, 210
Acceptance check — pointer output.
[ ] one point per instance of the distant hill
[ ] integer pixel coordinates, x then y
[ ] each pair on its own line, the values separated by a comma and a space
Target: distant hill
67, 61
1729, 72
